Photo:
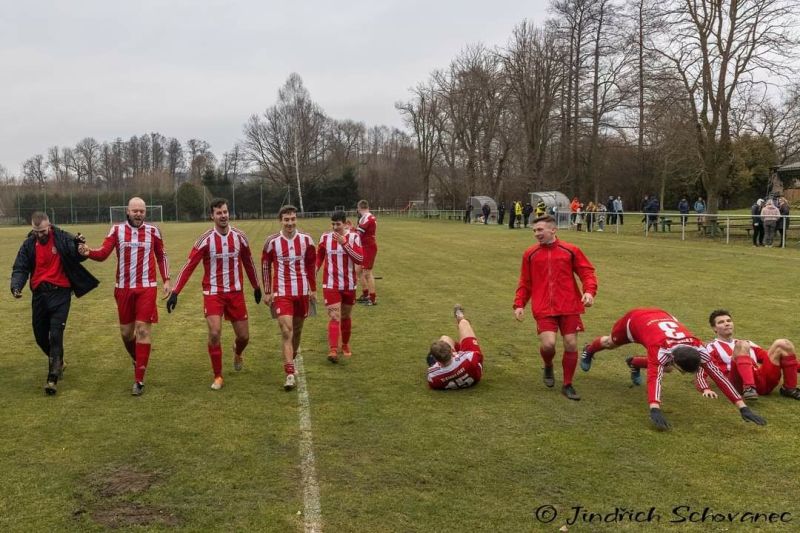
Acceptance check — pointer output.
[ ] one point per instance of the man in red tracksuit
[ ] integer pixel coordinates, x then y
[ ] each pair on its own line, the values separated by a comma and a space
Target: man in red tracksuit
547, 278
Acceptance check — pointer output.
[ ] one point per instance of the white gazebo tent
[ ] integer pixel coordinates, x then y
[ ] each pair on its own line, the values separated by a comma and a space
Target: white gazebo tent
557, 205
477, 207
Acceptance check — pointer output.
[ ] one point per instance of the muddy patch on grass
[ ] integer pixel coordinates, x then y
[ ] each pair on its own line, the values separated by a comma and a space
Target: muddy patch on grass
111, 502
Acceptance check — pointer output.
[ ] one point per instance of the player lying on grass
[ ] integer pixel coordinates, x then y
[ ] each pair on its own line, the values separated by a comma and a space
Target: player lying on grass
669, 344
455, 365
753, 370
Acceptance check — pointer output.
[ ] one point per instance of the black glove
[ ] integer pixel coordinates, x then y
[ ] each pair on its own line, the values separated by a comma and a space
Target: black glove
172, 301
750, 416
16, 293
257, 295
79, 239
658, 419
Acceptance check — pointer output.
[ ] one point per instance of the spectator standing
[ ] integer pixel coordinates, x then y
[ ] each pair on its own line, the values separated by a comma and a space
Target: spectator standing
511, 215
783, 222
501, 212
573, 208
579, 214
468, 213
770, 215
526, 214
486, 210
601, 217
652, 209
618, 214
541, 209
700, 209
591, 211
683, 209
612, 218
518, 213
758, 223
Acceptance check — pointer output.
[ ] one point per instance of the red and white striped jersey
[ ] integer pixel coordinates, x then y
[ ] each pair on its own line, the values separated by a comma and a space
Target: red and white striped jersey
139, 250
367, 227
721, 352
464, 370
223, 257
288, 264
339, 260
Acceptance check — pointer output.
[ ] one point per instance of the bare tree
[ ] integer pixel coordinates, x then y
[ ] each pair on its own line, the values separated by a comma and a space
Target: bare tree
57, 164
421, 115
175, 159
33, 170
200, 158
88, 153
715, 48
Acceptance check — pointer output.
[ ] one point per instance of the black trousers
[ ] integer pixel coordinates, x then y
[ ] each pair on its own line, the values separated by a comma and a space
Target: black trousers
758, 234
50, 311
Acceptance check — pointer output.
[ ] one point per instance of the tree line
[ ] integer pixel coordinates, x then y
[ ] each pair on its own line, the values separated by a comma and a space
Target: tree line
674, 98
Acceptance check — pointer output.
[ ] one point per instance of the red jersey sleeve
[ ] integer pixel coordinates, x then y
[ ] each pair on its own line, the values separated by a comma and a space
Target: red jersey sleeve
585, 270
321, 252
246, 256
523, 293
267, 258
195, 256
354, 249
161, 255
109, 244
311, 263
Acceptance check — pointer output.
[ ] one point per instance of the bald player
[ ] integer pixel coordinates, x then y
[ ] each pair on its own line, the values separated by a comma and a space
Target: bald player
140, 250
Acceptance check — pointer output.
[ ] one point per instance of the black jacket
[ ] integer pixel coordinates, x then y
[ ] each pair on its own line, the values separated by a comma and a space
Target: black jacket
80, 279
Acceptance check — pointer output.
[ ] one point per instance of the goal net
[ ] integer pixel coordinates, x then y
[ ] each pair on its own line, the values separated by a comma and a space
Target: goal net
154, 213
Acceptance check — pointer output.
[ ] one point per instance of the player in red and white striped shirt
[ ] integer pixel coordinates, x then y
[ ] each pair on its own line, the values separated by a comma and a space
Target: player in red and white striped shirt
455, 365
224, 250
669, 345
288, 263
367, 228
338, 253
753, 370
140, 249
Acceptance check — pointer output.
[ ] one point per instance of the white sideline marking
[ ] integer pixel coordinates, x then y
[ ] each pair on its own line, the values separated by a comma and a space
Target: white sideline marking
312, 514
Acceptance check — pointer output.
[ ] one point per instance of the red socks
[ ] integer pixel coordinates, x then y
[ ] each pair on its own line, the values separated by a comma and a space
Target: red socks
347, 328
288, 368
333, 334
744, 367
215, 354
142, 357
547, 356
789, 368
639, 362
595, 346
372, 297
568, 363
365, 293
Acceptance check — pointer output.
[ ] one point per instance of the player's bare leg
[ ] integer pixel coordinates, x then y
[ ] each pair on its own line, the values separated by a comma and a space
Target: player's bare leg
334, 329
369, 280
569, 362
215, 348
286, 324
362, 282
782, 353
142, 355
346, 328
547, 350
464, 327
297, 332
241, 329
128, 334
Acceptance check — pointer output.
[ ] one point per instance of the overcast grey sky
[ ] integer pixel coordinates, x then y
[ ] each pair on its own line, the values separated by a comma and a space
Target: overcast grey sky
108, 69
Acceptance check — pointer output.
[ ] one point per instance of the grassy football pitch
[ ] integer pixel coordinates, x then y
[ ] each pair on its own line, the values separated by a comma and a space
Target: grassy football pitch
389, 454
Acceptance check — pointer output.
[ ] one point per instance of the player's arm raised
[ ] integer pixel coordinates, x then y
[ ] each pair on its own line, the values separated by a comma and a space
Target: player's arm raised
108, 246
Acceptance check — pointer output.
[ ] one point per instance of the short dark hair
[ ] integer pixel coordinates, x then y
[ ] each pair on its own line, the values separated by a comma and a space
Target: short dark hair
716, 313
362, 204
338, 216
217, 203
544, 218
687, 358
38, 217
288, 208
441, 351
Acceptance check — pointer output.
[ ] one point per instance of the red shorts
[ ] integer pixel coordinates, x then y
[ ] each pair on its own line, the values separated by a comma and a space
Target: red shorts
296, 306
369, 257
567, 324
136, 305
619, 332
228, 304
334, 296
469, 344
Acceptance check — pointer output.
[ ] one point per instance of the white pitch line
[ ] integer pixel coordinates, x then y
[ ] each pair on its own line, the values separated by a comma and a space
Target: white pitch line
312, 513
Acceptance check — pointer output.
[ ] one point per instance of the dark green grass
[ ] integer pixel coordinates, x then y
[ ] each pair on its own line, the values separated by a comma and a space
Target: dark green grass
392, 455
